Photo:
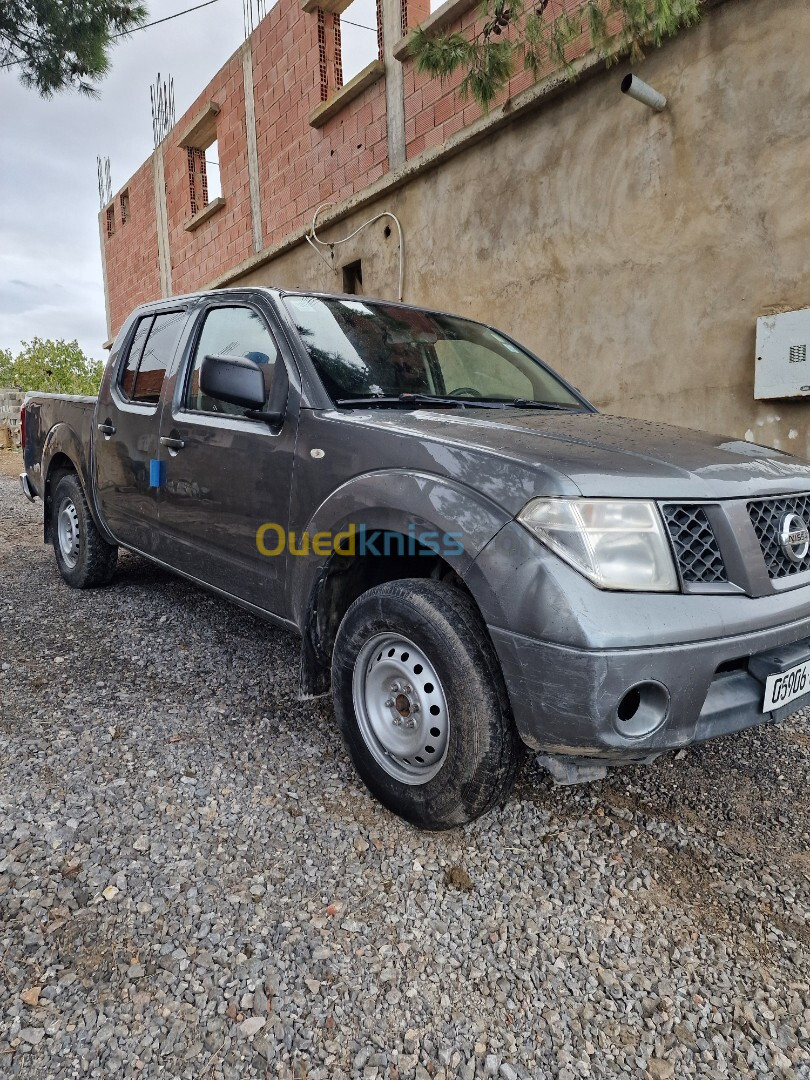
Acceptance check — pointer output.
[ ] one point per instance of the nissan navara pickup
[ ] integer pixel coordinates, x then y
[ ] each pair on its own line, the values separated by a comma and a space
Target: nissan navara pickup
475, 559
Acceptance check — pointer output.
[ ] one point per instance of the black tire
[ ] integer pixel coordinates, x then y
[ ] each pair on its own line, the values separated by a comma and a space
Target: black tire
90, 560
482, 747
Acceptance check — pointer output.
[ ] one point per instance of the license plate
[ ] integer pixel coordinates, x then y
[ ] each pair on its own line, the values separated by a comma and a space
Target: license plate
786, 686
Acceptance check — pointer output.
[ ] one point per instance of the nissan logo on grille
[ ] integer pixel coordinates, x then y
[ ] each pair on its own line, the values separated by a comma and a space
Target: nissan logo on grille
794, 537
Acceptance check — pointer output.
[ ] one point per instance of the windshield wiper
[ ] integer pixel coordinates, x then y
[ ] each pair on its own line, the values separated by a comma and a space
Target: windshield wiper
420, 399
529, 403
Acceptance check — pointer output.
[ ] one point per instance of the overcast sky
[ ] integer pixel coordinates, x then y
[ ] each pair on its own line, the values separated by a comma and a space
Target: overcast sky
50, 266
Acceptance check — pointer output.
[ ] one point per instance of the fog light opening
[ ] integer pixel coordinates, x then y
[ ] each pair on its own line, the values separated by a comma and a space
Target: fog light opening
629, 705
642, 709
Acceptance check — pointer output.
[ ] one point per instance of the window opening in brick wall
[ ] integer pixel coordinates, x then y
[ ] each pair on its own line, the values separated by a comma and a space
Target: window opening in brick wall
360, 44
212, 171
353, 278
203, 176
124, 207
110, 220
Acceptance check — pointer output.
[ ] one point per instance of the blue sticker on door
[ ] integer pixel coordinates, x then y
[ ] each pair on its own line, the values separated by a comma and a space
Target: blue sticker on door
157, 473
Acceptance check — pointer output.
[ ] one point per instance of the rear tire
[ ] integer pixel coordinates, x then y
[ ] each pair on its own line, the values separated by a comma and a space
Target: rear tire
421, 703
84, 557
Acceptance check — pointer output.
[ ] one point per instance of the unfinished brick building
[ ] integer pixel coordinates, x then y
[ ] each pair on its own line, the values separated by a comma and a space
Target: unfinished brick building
632, 249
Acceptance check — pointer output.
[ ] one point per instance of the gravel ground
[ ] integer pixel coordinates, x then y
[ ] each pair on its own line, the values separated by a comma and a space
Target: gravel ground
194, 884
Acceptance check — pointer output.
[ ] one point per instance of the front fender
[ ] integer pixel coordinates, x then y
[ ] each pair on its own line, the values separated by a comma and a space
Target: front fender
401, 501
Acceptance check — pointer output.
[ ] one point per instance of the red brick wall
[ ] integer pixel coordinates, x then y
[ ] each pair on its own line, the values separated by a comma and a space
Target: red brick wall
224, 240
433, 110
131, 253
414, 12
301, 166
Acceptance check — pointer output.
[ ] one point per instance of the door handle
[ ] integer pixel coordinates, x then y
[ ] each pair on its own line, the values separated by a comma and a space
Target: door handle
107, 429
172, 444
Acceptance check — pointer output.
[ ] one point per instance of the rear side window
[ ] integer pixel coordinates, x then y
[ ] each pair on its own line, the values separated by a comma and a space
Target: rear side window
130, 369
152, 351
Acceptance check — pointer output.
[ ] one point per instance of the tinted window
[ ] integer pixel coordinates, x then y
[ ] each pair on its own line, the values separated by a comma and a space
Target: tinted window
231, 331
134, 357
151, 353
157, 355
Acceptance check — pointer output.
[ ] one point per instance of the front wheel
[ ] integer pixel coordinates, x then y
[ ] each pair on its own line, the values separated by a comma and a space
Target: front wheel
83, 556
421, 703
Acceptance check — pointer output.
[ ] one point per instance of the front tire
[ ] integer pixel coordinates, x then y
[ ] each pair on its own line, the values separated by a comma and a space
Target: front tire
84, 557
421, 703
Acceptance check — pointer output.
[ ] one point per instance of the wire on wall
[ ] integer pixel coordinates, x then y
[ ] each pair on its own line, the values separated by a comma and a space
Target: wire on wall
316, 243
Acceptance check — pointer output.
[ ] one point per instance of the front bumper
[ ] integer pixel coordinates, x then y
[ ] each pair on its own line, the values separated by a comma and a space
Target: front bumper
566, 701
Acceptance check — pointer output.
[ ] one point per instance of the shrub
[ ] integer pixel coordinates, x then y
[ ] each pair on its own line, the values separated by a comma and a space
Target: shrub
50, 367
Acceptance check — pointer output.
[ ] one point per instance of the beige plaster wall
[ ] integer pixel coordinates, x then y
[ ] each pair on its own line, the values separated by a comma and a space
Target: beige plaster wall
633, 250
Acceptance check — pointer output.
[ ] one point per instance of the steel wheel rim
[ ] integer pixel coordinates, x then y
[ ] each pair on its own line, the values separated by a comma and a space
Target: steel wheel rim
68, 533
401, 708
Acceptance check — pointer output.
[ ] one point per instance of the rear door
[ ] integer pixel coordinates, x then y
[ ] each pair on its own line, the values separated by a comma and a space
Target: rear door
227, 475
128, 423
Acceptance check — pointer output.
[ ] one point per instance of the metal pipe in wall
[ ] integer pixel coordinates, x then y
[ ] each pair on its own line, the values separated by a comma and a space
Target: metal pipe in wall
643, 92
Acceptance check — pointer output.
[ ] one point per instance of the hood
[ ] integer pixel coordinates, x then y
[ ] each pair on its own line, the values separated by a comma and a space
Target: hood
605, 455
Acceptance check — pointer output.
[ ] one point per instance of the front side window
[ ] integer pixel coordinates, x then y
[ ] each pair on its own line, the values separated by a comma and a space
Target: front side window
231, 331
150, 355
378, 350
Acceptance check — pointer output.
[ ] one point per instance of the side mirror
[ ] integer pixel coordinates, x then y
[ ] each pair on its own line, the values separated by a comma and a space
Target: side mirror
234, 379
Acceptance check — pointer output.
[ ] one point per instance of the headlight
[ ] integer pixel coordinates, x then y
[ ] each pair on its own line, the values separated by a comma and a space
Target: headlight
617, 543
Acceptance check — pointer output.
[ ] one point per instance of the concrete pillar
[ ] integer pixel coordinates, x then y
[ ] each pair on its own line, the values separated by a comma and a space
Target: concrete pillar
394, 83
102, 239
162, 218
252, 146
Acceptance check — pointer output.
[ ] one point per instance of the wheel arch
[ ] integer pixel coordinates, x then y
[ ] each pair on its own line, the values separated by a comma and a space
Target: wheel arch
59, 465
406, 506
340, 582
63, 453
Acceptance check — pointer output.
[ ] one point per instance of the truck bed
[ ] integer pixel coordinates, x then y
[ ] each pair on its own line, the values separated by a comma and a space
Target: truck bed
43, 413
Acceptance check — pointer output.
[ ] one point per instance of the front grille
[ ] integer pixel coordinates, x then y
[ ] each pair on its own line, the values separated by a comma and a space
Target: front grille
695, 544
766, 517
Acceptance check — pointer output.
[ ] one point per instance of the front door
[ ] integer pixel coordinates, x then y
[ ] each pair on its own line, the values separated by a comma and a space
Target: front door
126, 441
226, 475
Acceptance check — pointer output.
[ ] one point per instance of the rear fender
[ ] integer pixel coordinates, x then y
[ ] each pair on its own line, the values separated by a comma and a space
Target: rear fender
62, 442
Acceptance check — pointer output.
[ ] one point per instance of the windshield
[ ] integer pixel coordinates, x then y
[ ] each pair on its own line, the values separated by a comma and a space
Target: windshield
378, 350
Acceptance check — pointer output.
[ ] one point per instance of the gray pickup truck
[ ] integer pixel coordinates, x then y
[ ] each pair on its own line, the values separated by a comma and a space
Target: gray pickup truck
475, 559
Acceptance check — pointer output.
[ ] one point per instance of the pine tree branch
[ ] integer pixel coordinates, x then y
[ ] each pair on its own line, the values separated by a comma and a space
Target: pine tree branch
58, 45
542, 34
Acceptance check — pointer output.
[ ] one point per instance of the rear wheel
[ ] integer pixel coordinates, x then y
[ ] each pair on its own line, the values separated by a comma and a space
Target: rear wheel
421, 703
83, 556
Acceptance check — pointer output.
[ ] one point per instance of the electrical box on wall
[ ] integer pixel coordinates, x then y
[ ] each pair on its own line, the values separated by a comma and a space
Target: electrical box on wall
783, 355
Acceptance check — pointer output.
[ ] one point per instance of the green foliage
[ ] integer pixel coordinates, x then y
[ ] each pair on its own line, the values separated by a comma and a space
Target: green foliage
56, 45
50, 367
541, 32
